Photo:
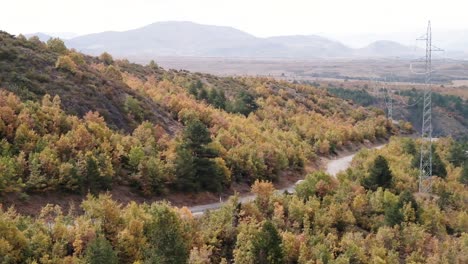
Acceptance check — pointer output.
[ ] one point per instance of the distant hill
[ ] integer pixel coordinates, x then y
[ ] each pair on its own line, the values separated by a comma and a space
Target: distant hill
311, 45
453, 42
46, 36
42, 36
176, 39
386, 48
191, 39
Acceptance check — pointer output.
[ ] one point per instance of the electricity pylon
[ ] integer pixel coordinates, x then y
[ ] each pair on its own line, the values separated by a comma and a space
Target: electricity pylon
425, 165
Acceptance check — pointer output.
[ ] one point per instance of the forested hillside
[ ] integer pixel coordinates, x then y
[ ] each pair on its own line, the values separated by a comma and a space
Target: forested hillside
79, 124
368, 214
32, 69
185, 132
450, 112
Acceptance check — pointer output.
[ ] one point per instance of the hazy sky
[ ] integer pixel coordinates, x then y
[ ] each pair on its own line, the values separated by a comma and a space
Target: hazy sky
258, 17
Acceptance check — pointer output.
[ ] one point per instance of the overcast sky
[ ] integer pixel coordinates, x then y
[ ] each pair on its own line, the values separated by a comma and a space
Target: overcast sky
258, 17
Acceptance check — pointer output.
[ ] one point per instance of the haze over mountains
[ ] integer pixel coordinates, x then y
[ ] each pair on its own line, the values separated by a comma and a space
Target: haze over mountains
47, 35
191, 39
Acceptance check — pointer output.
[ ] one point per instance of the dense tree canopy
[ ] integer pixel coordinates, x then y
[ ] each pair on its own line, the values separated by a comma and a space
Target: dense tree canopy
339, 223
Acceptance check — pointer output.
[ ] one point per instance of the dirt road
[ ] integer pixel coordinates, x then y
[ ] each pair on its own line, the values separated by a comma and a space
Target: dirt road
333, 167
341, 164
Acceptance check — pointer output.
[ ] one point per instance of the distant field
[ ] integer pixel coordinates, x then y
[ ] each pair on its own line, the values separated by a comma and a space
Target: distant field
448, 89
447, 72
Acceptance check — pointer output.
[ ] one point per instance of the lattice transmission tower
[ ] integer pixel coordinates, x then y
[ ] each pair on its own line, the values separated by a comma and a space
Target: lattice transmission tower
425, 165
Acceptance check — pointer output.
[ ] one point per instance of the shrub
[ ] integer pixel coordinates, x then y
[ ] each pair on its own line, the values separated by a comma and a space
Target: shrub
36, 41
132, 106
57, 45
66, 63
106, 58
113, 73
77, 58
153, 65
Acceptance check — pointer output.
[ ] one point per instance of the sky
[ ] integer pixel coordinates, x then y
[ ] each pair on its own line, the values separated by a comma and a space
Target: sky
262, 18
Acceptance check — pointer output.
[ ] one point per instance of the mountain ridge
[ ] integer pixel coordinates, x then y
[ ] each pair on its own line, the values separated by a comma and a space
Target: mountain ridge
184, 38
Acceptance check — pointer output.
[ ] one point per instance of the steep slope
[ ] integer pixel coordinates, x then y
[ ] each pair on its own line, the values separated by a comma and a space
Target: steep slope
29, 69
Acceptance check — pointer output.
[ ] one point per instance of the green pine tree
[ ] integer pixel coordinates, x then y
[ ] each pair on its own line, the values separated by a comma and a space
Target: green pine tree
92, 175
244, 103
267, 246
217, 98
379, 175
185, 169
100, 251
195, 165
393, 215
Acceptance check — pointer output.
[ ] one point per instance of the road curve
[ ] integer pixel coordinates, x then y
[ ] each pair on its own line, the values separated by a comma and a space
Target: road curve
333, 168
337, 165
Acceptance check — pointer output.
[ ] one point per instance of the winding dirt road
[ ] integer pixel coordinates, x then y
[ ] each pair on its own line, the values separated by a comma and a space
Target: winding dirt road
337, 165
333, 167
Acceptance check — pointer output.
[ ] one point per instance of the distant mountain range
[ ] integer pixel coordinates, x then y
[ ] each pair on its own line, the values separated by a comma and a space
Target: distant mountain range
46, 36
42, 36
196, 40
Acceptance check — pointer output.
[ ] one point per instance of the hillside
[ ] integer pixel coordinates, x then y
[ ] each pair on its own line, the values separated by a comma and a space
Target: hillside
28, 68
79, 124
450, 112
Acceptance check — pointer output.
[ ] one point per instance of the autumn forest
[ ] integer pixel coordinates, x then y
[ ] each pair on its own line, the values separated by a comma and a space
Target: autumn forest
74, 124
